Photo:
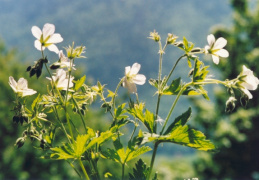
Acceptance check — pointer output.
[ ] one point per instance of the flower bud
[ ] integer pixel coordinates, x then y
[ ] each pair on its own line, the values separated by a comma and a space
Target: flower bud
171, 38
244, 100
20, 142
179, 44
230, 104
196, 50
155, 36
54, 66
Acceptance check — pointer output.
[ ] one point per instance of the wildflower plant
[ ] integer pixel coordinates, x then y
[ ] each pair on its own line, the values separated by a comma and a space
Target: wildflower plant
84, 144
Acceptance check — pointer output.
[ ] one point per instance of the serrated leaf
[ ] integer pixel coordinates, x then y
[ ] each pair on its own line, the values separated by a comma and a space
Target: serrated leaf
180, 120
174, 87
104, 136
185, 136
119, 111
131, 154
146, 118
79, 83
200, 71
141, 171
62, 152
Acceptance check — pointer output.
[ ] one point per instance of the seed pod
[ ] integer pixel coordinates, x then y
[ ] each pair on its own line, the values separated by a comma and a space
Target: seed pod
32, 72
16, 119
28, 68
20, 142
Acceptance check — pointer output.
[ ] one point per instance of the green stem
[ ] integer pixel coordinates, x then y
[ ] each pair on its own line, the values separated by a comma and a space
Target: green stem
81, 116
115, 93
153, 159
123, 169
94, 163
173, 106
172, 70
159, 81
83, 168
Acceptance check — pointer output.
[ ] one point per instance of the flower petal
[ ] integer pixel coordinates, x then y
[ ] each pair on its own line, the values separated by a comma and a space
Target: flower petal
215, 59
211, 39
135, 68
139, 79
53, 48
222, 53
22, 84
48, 30
28, 92
13, 83
132, 88
38, 46
36, 32
220, 43
55, 38
250, 96
127, 70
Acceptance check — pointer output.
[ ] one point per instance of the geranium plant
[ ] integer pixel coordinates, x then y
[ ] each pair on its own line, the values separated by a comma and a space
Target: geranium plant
66, 94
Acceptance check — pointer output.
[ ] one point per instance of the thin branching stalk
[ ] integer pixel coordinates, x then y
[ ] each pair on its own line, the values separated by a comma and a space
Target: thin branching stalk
83, 169
153, 159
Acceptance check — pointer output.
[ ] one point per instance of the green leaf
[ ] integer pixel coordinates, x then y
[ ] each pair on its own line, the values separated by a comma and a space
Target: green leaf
131, 154
174, 87
79, 83
185, 136
104, 136
62, 152
35, 102
146, 118
180, 120
122, 156
119, 111
200, 71
140, 171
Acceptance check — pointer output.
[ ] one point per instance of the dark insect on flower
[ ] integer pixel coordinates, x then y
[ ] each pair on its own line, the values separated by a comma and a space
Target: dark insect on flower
37, 67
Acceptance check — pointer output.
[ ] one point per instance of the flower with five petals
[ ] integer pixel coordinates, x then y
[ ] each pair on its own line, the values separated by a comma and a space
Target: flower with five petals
132, 78
21, 87
248, 81
46, 38
215, 48
61, 80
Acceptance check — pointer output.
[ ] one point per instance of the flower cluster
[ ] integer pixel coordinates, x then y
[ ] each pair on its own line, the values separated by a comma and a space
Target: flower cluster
71, 96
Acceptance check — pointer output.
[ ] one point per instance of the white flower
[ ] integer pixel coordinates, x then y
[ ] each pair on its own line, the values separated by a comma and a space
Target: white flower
46, 37
132, 78
61, 80
21, 87
160, 120
215, 48
64, 61
249, 82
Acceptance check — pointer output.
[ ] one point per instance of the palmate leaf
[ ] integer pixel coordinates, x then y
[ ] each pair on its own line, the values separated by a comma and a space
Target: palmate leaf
80, 146
141, 171
146, 118
120, 155
199, 72
180, 120
180, 133
175, 87
183, 135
